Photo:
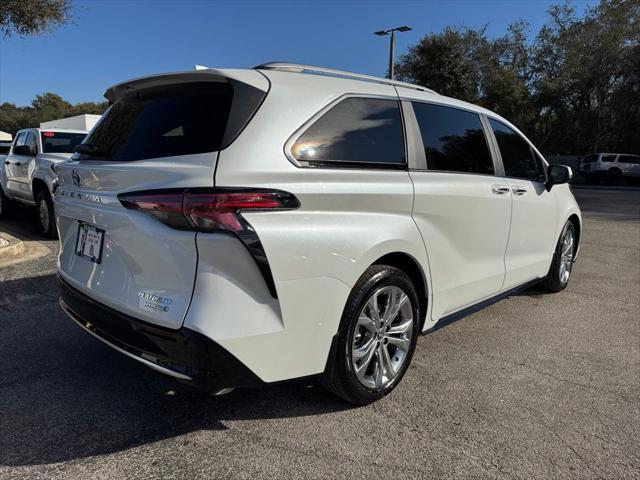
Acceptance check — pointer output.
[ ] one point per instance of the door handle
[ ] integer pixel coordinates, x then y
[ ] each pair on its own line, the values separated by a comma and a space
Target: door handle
500, 189
519, 191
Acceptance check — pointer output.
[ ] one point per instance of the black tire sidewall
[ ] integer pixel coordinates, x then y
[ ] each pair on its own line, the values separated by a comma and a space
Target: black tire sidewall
4, 204
382, 276
49, 230
553, 278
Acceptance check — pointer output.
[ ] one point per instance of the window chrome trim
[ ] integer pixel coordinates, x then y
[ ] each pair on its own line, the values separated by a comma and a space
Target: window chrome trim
336, 164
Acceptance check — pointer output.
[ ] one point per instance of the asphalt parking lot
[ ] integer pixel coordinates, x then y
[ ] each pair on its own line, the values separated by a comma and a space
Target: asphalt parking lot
536, 386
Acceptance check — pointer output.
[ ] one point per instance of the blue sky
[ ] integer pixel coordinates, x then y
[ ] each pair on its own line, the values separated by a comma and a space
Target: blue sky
113, 40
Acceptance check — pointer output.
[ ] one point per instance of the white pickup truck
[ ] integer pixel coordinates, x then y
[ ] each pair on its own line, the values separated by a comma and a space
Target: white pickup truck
26, 173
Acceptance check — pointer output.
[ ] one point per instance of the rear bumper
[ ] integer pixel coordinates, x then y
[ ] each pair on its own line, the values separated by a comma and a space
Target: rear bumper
184, 354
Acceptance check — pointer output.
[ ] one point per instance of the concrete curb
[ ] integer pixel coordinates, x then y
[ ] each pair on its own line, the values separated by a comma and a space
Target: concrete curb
10, 247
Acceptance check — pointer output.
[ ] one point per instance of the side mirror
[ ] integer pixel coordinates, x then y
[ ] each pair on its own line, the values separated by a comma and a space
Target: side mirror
23, 150
557, 174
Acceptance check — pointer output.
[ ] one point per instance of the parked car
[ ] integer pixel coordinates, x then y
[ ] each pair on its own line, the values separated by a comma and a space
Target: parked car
609, 166
26, 173
235, 228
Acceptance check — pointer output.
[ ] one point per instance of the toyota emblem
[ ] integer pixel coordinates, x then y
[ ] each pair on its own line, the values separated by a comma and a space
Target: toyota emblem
75, 176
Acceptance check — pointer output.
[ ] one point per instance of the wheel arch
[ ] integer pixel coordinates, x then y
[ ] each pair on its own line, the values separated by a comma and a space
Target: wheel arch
409, 265
38, 185
577, 225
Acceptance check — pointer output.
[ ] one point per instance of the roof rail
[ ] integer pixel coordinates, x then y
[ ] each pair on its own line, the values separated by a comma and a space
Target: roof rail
300, 68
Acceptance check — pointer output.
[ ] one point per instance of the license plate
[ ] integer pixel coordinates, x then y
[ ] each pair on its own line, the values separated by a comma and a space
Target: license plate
89, 242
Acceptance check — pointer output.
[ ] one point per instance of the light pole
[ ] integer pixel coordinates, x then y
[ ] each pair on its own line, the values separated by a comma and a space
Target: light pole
391, 31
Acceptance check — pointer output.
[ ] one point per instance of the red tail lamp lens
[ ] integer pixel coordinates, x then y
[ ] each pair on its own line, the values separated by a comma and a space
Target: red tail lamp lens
167, 208
207, 211
219, 210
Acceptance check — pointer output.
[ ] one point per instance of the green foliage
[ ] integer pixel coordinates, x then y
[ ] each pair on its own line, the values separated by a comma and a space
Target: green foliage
574, 88
45, 107
32, 17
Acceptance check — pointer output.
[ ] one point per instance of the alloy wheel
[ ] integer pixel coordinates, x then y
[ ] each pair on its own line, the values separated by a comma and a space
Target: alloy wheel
43, 211
382, 337
566, 256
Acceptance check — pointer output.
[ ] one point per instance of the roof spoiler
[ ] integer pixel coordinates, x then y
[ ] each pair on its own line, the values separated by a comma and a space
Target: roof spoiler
200, 73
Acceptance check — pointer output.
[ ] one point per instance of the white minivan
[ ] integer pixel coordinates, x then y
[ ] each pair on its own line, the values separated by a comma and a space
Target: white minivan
236, 228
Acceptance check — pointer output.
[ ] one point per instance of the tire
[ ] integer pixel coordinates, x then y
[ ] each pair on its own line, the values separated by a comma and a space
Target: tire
560, 271
5, 204
348, 374
46, 215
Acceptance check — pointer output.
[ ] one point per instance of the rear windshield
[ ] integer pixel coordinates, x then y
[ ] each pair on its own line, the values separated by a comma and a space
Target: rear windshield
183, 119
60, 142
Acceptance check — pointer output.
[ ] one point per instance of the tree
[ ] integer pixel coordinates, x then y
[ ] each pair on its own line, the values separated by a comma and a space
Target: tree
447, 62
45, 107
573, 88
587, 76
32, 17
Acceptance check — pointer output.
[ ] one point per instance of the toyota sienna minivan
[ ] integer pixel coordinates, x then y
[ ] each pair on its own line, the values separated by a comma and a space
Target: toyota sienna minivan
236, 228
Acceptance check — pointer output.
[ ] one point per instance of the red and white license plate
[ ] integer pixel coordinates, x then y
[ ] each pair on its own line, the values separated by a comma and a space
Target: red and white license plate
89, 242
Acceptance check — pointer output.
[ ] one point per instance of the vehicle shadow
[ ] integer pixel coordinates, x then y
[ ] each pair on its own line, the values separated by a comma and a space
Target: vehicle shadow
64, 395
22, 222
535, 291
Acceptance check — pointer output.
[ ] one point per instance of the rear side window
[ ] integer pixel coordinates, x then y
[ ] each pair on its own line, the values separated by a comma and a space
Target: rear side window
5, 148
453, 139
60, 142
517, 155
629, 159
177, 120
355, 132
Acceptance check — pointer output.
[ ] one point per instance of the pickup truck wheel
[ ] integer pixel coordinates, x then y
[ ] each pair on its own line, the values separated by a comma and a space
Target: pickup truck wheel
5, 204
46, 215
377, 337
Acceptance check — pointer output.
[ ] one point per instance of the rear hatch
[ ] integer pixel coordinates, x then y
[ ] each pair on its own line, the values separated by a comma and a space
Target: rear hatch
161, 132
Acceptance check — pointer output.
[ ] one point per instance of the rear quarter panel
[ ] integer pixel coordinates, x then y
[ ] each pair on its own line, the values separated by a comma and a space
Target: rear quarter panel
348, 219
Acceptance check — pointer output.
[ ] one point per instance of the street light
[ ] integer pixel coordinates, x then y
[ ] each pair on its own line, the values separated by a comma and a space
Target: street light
391, 31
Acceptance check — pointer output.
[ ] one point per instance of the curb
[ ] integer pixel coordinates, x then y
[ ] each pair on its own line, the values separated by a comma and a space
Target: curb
10, 247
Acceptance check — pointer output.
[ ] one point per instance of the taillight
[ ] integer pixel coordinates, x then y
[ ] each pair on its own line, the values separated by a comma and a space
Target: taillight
207, 209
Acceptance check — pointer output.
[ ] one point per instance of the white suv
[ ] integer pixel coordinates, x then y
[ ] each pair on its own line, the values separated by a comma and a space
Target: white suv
235, 228
26, 173
609, 166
